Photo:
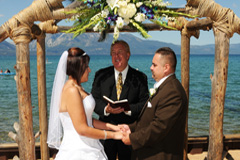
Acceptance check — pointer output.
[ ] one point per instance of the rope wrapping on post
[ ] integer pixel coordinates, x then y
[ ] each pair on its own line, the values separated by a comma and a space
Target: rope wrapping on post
49, 27
224, 19
21, 34
39, 10
181, 24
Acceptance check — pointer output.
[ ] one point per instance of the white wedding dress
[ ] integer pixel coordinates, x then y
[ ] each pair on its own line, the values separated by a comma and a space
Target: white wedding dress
75, 146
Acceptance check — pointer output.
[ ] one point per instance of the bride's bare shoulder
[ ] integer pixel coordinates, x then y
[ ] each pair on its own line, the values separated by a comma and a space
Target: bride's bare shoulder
70, 89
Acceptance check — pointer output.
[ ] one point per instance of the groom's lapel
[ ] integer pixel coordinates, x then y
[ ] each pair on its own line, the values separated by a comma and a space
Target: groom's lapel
148, 101
143, 109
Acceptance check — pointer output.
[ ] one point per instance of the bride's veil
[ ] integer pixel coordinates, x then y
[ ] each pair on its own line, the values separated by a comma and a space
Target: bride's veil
55, 128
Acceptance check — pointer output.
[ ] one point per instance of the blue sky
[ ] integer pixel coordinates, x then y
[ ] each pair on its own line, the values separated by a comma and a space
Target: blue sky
9, 8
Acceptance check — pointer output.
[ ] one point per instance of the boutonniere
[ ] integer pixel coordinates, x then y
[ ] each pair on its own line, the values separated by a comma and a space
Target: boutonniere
152, 91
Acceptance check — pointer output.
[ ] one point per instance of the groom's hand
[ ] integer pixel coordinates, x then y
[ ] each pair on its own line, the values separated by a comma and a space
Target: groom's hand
124, 128
126, 139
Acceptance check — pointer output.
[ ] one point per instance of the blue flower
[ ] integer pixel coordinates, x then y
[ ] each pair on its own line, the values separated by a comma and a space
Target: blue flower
147, 11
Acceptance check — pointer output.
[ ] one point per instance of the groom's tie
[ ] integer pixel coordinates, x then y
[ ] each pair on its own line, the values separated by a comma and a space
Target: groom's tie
119, 85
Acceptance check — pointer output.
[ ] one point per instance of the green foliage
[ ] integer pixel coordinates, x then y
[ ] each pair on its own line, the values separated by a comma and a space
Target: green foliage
83, 21
140, 29
99, 15
172, 13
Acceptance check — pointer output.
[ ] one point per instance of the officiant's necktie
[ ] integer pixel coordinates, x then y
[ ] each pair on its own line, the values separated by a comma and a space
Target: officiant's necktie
119, 85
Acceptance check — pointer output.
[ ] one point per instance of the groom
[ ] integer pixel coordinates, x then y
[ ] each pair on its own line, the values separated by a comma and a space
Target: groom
159, 131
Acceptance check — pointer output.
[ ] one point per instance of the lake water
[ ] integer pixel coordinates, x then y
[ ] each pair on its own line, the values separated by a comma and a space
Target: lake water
201, 66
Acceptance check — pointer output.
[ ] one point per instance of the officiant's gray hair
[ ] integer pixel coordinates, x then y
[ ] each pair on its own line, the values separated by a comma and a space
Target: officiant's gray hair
122, 42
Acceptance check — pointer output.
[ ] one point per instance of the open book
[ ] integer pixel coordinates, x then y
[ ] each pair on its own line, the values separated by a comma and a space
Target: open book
121, 103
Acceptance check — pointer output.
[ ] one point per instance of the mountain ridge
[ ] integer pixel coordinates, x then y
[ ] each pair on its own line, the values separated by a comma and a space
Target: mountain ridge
55, 44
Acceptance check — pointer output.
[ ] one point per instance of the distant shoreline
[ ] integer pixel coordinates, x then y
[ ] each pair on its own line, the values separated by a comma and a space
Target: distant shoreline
132, 55
59, 42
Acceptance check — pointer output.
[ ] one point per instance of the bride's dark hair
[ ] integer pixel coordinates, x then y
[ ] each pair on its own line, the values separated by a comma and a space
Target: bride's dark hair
77, 63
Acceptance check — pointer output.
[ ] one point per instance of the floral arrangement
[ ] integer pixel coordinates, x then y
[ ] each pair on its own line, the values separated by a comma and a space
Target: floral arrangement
100, 15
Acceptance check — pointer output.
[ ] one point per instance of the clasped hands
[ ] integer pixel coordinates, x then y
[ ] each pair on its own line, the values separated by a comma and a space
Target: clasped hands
123, 129
122, 132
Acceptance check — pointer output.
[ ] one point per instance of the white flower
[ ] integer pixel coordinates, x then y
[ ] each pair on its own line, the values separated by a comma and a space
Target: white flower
170, 18
138, 4
99, 26
74, 17
160, 3
116, 33
105, 13
127, 12
152, 91
95, 28
112, 3
131, 10
122, 4
120, 22
140, 17
95, 17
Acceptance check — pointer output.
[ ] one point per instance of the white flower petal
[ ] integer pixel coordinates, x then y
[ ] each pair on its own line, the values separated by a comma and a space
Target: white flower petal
112, 3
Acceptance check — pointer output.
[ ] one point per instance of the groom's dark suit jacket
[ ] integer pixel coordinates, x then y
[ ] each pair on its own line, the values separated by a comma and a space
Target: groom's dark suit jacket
135, 89
159, 131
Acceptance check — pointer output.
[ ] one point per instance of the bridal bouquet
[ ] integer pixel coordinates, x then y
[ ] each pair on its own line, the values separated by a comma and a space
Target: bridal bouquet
99, 15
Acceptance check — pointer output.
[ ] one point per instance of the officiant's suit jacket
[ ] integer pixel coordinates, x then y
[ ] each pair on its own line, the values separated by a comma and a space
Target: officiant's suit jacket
158, 134
135, 89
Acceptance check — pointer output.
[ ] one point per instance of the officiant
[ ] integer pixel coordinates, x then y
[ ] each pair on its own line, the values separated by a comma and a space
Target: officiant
117, 82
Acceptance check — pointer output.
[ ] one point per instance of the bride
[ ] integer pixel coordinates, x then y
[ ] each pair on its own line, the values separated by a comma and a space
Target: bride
71, 108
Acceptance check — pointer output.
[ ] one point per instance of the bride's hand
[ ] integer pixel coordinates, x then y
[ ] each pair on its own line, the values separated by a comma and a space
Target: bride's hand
124, 128
113, 127
118, 135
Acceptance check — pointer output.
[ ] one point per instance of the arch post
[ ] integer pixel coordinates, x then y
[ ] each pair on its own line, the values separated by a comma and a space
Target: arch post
26, 141
185, 67
219, 85
42, 97
185, 52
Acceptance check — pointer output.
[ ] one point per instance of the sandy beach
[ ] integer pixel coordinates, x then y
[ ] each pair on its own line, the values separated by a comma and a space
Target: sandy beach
231, 155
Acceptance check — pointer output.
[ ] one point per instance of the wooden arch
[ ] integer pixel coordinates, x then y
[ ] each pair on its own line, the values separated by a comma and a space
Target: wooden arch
22, 30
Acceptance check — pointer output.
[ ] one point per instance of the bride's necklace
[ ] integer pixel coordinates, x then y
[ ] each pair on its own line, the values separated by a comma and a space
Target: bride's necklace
81, 89
78, 86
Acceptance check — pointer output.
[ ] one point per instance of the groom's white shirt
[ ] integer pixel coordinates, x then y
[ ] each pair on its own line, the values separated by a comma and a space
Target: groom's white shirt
157, 84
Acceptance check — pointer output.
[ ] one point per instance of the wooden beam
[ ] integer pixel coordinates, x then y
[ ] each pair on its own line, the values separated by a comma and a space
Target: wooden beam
149, 27
203, 24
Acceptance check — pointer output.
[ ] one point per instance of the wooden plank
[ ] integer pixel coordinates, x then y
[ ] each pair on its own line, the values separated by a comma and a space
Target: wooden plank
195, 145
